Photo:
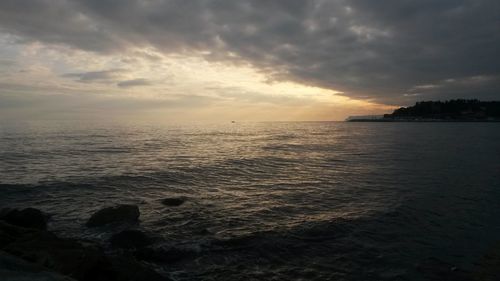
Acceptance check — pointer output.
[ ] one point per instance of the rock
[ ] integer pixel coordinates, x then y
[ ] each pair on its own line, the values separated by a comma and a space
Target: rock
4, 211
174, 201
130, 239
162, 254
16, 269
29, 218
119, 213
66, 256
70, 257
10, 233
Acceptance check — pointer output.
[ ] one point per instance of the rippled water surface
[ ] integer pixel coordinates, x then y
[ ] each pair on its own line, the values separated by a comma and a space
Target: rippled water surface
274, 201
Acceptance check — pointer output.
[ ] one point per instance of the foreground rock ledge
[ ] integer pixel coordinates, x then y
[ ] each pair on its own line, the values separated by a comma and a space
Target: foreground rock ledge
15, 269
29, 217
44, 253
116, 214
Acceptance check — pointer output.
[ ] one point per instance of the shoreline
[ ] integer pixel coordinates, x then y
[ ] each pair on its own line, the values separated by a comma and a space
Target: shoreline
423, 121
29, 251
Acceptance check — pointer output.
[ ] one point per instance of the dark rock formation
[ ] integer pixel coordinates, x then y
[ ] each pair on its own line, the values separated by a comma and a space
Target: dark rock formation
10, 233
173, 202
15, 269
70, 257
131, 239
29, 217
119, 213
63, 255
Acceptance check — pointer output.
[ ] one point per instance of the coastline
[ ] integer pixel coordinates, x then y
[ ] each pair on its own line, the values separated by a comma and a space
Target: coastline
424, 121
459, 110
29, 251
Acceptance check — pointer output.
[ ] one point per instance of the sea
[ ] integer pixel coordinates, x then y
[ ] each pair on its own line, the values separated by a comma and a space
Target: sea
273, 200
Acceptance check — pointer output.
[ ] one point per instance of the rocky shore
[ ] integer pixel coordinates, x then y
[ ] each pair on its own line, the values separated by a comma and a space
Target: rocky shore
28, 251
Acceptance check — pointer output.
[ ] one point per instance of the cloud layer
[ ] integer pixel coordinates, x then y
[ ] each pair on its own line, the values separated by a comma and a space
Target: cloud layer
388, 51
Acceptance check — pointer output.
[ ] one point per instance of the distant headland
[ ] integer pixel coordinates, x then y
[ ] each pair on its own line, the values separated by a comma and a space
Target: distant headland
459, 110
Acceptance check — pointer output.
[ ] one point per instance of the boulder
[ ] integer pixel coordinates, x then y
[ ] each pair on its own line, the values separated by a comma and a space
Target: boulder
29, 218
117, 214
66, 256
69, 257
4, 211
15, 269
174, 201
130, 239
10, 233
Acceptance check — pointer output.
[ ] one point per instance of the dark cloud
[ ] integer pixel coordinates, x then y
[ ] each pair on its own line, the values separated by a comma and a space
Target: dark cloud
104, 76
111, 76
134, 83
381, 50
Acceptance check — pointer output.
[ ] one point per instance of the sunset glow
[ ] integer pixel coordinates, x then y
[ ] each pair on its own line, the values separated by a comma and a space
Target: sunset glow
147, 84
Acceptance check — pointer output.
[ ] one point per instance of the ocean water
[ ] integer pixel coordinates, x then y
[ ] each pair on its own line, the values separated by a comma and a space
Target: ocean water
274, 201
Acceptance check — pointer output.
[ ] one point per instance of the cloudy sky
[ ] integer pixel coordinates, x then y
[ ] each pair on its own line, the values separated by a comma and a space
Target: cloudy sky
242, 60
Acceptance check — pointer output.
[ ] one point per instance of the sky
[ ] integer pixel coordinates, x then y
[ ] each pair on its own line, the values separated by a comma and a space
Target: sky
260, 60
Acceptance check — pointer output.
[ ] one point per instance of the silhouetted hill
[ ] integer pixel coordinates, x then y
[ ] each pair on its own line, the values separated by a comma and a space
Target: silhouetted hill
452, 110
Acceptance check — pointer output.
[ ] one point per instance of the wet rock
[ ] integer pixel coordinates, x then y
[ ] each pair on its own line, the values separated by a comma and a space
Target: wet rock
10, 233
116, 214
70, 257
16, 269
66, 256
174, 201
29, 218
131, 239
162, 254
4, 211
